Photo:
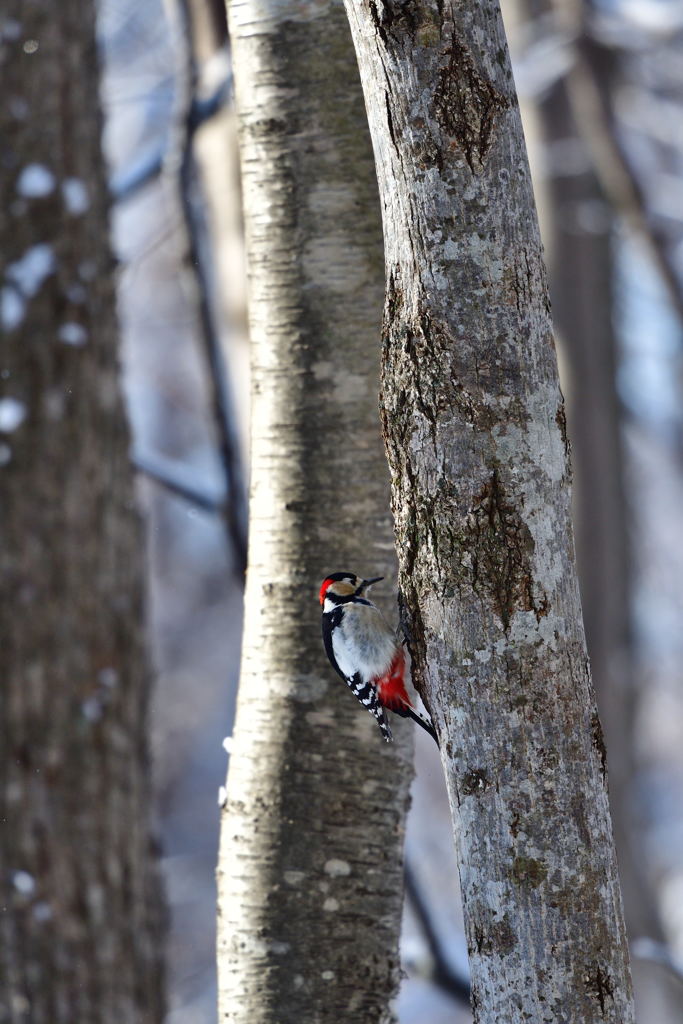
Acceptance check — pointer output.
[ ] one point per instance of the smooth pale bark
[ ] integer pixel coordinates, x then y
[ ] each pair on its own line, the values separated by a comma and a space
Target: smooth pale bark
475, 432
310, 882
80, 921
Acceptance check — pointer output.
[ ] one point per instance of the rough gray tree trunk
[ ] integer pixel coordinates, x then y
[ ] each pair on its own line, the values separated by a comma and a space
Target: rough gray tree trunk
477, 446
80, 928
310, 882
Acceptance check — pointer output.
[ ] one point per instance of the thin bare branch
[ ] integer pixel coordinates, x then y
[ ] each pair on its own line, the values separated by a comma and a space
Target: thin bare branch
442, 973
589, 84
126, 185
174, 477
181, 166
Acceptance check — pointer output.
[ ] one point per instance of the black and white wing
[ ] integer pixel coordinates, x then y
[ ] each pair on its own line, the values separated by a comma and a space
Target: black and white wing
365, 692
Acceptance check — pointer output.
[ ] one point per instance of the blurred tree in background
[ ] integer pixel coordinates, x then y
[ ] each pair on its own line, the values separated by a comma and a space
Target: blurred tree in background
81, 921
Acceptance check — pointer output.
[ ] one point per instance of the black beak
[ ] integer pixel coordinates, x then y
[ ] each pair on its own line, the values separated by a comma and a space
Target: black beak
368, 583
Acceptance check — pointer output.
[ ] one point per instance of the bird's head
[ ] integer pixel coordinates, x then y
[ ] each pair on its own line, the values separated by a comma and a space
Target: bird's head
342, 586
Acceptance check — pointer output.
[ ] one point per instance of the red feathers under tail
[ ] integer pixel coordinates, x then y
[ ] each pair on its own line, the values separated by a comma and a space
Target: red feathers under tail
391, 690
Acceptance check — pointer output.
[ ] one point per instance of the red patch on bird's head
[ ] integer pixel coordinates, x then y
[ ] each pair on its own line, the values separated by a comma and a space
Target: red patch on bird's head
346, 584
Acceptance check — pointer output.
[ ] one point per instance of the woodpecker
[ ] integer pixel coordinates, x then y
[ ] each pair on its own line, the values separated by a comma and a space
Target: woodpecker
364, 651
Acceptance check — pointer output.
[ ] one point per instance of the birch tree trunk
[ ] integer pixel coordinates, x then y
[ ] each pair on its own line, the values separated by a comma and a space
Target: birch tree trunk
80, 921
310, 881
475, 432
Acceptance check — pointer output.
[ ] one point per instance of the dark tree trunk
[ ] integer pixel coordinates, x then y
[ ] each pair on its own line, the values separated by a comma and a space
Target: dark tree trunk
477, 446
81, 926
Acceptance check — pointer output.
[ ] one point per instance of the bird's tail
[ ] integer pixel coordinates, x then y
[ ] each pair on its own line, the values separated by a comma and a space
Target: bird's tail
419, 719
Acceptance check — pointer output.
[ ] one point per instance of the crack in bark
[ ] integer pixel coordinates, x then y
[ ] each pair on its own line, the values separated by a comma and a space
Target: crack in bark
399, 13
494, 939
390, 121
466, 105
501, 550
600, 986
377, 21
475, 782
561, 420
490, 553
599, 744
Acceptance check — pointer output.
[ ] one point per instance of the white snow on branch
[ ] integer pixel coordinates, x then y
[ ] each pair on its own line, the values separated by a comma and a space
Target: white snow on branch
72, 334
35, 181
23, 883
30, 271
75, 195
12, 414
12, 308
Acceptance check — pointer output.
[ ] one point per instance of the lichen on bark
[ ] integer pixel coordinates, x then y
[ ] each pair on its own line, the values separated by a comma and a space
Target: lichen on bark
473, 421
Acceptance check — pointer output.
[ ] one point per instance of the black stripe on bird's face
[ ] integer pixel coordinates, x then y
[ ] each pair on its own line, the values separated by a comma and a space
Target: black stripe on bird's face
343, 586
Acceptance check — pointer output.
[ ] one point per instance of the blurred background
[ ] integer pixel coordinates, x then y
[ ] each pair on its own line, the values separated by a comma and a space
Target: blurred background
602, 93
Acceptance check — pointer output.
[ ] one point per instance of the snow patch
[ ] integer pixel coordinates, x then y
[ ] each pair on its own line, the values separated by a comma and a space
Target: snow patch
222, 796
75, 195
24, 883
30, 271
227, 744
12, 308
35, 181
12, 414
72, 334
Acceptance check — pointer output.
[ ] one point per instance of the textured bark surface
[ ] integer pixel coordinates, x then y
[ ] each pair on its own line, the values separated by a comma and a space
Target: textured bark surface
476, 438
80, 924
309, 876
